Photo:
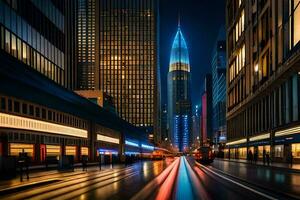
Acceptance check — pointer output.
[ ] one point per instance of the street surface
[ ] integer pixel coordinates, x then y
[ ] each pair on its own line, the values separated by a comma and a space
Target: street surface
178, 178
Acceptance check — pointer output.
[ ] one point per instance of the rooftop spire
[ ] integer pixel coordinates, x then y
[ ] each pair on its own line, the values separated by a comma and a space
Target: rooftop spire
178, 19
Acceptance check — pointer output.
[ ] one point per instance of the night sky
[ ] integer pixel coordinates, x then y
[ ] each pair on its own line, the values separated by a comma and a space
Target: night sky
200, 24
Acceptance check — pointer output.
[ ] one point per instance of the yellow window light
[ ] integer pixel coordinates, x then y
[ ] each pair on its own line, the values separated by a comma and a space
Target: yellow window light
17, 122
105, 138
241, 141
259, 137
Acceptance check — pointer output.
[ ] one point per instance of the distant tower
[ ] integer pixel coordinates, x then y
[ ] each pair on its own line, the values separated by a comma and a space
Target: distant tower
179, 97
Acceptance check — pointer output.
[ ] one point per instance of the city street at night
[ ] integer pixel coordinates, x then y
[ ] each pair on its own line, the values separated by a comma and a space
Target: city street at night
150, 99
178, 178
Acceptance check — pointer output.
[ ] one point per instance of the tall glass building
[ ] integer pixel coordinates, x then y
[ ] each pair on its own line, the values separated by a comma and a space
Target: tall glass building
118, 54
35, 39
218, 65
179, 98
128, 57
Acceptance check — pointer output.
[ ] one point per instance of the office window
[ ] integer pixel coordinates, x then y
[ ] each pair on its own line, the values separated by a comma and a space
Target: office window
13, 45
49, 115
295, 93
31, 110
16, 106
9, 105
43, 113
19, 49
37, 112
7, 41
2, 37
24, 53
296, 21
24, 108
3, 103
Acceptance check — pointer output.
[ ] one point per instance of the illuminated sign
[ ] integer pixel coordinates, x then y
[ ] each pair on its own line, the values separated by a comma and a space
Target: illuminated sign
105, 138
17, 122
289, 131
237, 142
260, 137
131, 143
107, 151
144, 146
131, 153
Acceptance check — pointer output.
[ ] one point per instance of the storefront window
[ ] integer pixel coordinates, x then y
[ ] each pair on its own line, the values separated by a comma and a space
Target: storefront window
279, 151
84, 151
243, 153
71, 150
232, 153
16, 148
296, 18
296, 150
52, 150
261, 150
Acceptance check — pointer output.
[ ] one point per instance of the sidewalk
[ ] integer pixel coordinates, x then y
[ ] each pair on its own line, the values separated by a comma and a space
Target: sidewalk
286, 166
39, 176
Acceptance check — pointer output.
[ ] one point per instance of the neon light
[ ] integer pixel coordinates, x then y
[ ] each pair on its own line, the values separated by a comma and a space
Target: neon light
260, 137
105, 138
17, 122
131, 153
237, 142
144, 146
289, 131
131, 143
107, 151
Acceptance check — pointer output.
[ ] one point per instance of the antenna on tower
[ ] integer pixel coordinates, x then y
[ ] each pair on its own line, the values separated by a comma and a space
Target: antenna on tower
178, 19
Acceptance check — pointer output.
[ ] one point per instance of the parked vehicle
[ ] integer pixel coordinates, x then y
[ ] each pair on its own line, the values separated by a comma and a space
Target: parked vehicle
204, 155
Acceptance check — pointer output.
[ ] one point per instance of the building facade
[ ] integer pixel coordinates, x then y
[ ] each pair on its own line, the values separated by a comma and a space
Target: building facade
164, 123
179, 94
38, 114
218, 65
119, 45
206, 132
263, 79
87, 32
196, 125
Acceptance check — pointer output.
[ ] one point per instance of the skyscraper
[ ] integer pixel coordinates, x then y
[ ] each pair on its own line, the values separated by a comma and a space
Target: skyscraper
179, 98
119, 44
206, 132
86, 39
218, 65
196, 124
164, 122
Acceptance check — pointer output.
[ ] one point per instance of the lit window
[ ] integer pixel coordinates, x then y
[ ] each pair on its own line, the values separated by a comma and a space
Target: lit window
296, 150
296, 21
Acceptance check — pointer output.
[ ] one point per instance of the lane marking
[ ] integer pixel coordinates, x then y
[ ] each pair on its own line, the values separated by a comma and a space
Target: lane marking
237, 183
152, 185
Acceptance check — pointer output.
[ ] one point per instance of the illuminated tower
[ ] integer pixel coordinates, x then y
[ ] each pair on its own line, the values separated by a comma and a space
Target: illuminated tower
179, 98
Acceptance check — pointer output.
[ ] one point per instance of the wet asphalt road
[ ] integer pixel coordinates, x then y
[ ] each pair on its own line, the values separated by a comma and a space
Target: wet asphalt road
280, 180
182, 178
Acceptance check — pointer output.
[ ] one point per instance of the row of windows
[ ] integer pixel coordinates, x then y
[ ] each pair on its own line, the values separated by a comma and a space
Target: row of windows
238, 63
240, 26
23, 52
23, 30
279, 108
26, 109
27, 21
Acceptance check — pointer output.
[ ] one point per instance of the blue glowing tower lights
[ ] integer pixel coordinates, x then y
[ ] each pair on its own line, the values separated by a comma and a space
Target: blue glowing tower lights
179, 97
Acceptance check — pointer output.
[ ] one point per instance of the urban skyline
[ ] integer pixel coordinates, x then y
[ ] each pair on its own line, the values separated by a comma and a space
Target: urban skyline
111, 99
